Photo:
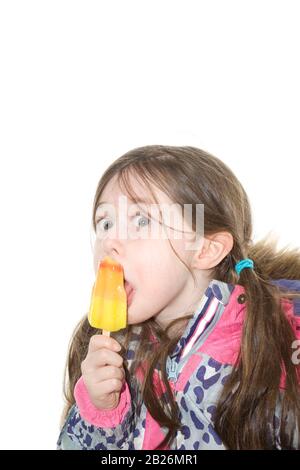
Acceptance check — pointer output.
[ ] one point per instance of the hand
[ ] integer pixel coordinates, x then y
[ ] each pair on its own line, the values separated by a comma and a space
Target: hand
103, 372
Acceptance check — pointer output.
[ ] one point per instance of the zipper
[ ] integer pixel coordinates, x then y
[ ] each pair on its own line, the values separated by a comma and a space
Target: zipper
173, 371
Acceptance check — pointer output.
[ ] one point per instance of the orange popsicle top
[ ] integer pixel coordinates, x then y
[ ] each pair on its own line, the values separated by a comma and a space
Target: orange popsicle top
108, 310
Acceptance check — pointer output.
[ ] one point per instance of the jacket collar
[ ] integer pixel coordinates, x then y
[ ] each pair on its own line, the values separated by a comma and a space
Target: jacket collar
217, 293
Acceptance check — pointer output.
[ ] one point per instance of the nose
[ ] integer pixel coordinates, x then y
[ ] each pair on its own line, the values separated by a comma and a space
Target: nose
109, 247
113, 244
113, 247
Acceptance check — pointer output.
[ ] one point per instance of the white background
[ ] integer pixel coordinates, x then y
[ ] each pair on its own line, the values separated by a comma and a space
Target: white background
82, 82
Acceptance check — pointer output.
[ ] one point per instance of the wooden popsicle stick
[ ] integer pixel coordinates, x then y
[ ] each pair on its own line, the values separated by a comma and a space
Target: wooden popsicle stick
106, 333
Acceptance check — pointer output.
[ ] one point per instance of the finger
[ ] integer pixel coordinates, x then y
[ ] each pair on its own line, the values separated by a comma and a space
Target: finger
106, 387
102, 341
106, 373
100, 358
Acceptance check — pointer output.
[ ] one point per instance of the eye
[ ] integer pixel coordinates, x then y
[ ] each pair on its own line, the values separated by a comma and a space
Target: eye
103, 224
142, 221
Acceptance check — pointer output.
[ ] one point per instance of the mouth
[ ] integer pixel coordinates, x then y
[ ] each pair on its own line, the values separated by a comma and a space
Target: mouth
129, 291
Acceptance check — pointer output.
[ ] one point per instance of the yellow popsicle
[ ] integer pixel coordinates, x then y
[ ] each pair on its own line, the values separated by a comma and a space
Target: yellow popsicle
108, 309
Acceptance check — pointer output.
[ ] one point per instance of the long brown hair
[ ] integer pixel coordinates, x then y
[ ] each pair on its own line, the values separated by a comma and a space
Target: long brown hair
246, 407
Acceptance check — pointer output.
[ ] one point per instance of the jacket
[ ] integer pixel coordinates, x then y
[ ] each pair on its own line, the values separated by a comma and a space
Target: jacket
197, 370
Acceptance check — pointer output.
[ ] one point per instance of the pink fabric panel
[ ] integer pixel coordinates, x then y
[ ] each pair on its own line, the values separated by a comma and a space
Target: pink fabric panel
295, 322
187, 371
223, 343
153, 434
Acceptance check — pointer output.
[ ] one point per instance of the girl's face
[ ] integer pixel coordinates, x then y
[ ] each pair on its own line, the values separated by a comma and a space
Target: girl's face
162, 286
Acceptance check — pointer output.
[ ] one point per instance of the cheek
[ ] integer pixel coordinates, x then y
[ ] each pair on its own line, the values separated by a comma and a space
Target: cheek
146, 269
158, 269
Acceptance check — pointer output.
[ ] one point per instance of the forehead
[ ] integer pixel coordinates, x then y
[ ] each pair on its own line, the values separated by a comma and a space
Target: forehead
113, 191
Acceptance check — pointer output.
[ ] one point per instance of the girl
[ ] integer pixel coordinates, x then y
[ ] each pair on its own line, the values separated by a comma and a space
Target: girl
210, 357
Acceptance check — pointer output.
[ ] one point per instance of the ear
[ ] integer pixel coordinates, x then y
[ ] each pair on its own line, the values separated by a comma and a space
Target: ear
213, 250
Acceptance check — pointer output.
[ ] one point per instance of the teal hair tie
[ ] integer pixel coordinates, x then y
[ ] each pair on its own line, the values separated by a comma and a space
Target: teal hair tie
244, 263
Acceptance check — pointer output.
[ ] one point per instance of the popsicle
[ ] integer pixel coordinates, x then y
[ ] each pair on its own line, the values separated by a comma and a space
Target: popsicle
108, 308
